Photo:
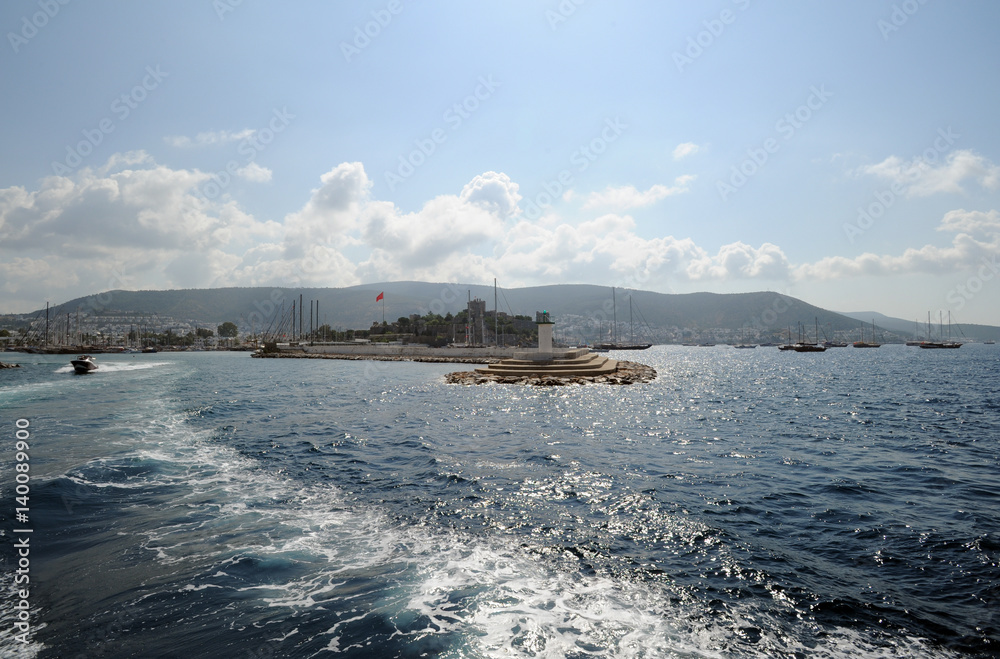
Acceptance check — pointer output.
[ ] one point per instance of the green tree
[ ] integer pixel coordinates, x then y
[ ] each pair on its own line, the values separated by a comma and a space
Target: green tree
204, 332
228, 330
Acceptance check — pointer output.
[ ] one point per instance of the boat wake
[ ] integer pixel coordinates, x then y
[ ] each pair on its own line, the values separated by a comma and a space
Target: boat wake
304, 568
115, 367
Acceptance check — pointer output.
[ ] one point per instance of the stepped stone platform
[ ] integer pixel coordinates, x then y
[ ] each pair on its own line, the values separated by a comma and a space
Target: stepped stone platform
578, 366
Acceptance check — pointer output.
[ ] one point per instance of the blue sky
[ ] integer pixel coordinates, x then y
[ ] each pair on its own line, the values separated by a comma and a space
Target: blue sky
845, 153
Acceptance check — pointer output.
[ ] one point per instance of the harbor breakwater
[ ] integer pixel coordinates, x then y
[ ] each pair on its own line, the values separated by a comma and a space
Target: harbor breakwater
391, 352
626, 372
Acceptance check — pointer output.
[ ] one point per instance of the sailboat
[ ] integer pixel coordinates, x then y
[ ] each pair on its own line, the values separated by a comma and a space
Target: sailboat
742, 344
940, 344
864, 344
802, 346
615, 344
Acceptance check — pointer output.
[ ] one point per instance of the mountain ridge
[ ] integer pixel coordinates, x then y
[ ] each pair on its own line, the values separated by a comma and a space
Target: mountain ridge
584, 308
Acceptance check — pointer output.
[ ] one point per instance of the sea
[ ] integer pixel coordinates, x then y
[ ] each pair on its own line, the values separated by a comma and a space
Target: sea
746, 503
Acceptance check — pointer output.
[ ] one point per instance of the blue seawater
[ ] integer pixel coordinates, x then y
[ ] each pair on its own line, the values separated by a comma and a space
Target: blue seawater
747, 503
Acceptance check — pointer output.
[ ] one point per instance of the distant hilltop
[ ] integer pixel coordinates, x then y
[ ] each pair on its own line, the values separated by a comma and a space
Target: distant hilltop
582, 312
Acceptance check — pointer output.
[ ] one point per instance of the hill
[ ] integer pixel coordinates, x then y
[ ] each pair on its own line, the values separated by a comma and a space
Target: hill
581, 311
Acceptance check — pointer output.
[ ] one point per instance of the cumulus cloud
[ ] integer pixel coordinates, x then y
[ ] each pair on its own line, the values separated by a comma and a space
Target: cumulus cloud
254, 172
493, 191
919, 178
77, 230
133, 223
608, 244
628, 196
964, 250
741, 261
332, 211
149, 207
974, 222
685, 149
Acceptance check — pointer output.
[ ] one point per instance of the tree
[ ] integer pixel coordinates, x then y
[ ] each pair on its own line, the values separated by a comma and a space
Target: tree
204, 332
228, 330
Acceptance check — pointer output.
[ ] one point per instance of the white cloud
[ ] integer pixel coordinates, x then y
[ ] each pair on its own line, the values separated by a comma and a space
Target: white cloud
685, 149
208, 138
964, 251
136, 224
971, 222
741, 261
75, 232
332, 211
609, 247
628, 196
254, 172
919, 178
493, 191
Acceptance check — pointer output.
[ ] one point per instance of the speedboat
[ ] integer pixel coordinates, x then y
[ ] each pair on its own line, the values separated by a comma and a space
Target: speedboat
84, 364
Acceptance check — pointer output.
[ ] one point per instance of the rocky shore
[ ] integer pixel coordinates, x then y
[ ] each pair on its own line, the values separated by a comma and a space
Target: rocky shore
626, 373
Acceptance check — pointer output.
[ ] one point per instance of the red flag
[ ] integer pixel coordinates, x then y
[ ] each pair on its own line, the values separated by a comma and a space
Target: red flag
380, 296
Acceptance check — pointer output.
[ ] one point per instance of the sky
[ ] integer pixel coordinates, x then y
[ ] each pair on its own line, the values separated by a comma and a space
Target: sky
846, 153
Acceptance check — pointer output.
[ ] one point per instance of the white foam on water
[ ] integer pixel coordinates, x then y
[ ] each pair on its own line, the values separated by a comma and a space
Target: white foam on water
113, 367
10, 646
498, 597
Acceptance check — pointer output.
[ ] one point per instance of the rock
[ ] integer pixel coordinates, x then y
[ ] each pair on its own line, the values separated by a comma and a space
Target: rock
2, 365
627, 373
